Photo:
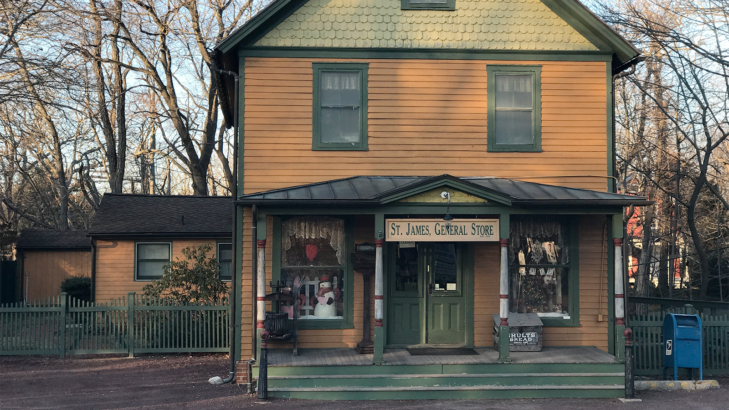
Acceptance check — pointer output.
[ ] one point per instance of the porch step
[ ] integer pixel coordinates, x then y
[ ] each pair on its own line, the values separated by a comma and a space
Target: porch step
445, 380
447, 392
443, 386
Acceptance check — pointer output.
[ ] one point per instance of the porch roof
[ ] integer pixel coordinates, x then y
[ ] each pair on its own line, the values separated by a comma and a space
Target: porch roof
380, 190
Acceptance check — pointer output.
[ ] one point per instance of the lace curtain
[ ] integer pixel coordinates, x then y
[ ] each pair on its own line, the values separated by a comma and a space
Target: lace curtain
314, 227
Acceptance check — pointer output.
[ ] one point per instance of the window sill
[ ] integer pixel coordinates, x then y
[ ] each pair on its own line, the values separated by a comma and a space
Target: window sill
338, 148
556, 322
320, 324
514, 148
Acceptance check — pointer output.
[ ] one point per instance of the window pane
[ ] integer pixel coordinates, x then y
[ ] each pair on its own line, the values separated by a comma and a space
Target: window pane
225, 252
340, 89
340, 125
514, 91
539, 266
150, 269
313, 241
153, 251
445, 270
320, 292
406, 269
513, 127
225, 270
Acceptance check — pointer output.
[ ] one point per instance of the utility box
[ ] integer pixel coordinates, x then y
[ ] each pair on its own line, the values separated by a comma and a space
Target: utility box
682, 344
525, 332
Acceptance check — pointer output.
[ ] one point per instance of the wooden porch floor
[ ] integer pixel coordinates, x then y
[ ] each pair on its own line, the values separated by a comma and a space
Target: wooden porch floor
350, 357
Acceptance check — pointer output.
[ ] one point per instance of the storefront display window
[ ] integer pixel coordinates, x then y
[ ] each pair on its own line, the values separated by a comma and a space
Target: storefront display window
313, 264
539, 266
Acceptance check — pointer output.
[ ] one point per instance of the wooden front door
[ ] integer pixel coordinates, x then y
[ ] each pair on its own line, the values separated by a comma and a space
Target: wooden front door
427, 300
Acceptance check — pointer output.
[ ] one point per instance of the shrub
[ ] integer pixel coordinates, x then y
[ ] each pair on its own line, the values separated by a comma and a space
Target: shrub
192, 280
78, 287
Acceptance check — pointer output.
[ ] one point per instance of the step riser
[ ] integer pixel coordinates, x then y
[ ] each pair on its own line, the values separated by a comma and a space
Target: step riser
446, 381
445, 395
444, 369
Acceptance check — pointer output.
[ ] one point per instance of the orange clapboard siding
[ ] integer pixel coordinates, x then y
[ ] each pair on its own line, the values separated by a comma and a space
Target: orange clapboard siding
426, 117
43, 271
115, 265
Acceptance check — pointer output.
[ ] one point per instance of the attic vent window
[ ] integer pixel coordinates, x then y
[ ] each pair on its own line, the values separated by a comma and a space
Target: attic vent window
428, 4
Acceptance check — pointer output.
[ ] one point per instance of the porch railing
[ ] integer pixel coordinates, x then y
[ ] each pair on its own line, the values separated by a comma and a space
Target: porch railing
129, 325
648, 340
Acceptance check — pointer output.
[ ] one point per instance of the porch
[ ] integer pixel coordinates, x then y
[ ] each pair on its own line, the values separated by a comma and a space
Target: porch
342, 374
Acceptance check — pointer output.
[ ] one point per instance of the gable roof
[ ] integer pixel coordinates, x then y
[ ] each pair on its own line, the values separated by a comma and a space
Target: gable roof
121, 215
378, 190
51, 239
573, 22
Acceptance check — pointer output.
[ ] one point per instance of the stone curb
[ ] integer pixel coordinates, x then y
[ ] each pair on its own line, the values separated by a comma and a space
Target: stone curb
670, 385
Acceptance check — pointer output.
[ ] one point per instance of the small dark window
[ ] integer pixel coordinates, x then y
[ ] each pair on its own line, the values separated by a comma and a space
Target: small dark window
151, 259
428, 4
225, 260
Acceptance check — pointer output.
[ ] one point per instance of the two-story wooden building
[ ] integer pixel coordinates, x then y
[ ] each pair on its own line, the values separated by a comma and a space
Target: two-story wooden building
469, 145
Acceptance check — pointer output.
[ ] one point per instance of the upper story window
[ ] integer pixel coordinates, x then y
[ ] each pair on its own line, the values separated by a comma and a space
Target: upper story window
151, 259
225, 260
514, 108
428, 4
340, 106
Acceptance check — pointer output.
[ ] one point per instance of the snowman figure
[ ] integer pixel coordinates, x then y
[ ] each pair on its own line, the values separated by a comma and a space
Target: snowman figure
325, 306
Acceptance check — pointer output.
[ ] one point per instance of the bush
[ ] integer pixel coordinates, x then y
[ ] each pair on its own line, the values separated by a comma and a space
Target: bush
193, 280
78, 287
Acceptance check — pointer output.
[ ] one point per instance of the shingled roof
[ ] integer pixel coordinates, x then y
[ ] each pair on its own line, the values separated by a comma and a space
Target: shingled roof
48, 239
363, 190
159, 215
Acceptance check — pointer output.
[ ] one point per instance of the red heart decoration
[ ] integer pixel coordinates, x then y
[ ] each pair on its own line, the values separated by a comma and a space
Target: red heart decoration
311, 251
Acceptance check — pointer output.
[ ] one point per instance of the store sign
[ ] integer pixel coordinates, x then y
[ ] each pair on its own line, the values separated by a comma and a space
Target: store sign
437, 230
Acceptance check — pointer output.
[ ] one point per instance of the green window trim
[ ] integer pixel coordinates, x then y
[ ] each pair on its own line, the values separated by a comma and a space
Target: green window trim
409, 5
317, 144
136, 260
217, 257
536, 73
347, 322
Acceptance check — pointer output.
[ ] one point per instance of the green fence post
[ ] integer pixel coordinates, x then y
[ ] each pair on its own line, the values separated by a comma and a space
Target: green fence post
64, 313
130, 323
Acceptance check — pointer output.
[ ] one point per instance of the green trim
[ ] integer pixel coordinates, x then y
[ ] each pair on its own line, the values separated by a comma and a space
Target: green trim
317, 144
136, 267
612, 183
617, 220
468, 281
426, 54
504, 344
536, 73
504, 226
260, 24
449, 5
592, 28
348, 309
261, 231
429, 209
241, 124
236, 312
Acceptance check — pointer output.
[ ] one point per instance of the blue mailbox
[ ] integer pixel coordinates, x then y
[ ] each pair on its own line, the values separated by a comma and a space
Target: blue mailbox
682, 344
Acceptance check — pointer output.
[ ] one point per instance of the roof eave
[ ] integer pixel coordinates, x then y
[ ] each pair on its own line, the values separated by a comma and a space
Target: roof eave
204, 235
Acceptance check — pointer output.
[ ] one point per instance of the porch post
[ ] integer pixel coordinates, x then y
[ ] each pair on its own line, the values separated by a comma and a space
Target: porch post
379, 308
619, 300
504, 346
261, 289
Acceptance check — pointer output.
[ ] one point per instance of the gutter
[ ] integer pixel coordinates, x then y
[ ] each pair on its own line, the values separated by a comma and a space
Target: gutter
234, 190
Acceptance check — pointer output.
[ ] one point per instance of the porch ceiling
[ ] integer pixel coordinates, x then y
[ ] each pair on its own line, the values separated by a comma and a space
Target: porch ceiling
380, 190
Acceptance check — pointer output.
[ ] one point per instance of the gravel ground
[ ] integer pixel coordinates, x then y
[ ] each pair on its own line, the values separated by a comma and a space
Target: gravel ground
180, 382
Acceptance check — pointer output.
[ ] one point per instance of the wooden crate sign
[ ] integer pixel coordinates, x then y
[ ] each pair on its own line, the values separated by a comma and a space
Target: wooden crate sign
437, 230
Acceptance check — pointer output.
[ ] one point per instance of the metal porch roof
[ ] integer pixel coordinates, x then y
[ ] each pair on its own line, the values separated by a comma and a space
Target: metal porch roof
362, 190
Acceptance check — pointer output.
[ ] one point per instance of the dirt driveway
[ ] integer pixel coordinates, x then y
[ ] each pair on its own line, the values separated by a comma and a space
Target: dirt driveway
180, 382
